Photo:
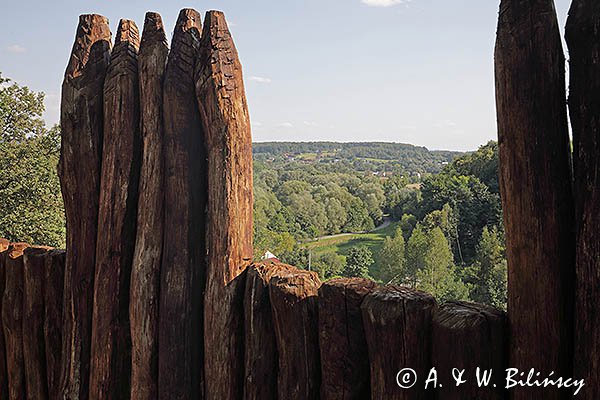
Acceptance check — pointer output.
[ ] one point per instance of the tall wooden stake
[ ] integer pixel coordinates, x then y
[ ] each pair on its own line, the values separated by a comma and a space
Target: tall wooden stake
222, 101
111, 342
535, 183
79, 170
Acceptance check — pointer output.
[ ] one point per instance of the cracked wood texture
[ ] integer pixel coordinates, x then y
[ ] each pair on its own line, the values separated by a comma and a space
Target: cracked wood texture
583, 39
260, 357
12, 320
535, 185
294, 305
180, 368
34, 346
344, 355
397, 322
224, 111
145, 273
110, 367
79, 171
3, 371
468, 336
54, 272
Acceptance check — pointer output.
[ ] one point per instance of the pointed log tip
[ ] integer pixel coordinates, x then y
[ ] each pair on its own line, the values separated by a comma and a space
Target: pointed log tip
154, 29
216, 18
127, 33
16, 249
91, 19
34, 251
93, 32
188, 18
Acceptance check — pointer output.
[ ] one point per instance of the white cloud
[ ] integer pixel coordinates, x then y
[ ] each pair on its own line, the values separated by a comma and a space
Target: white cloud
260, 79
384, 3
15, 48
286, 125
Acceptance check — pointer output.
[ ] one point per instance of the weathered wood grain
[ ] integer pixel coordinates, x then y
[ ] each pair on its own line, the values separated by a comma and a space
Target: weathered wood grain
4, 243
54, 274
260, 346
145, 273
344, 355
583, 39
295, 316
34, 346
180, 361
110, 366
535, 185
397, 322
224, 111
12, 320
79, 171
470, 336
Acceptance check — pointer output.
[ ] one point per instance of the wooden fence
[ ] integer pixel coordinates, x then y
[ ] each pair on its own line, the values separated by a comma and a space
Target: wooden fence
156, 296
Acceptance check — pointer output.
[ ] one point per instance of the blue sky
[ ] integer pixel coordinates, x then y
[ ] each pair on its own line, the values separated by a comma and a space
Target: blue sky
411, 71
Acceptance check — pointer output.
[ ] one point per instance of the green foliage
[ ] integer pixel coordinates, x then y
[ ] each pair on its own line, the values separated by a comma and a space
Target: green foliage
328, 265
489, 270
358, 262
29, 187
391, 259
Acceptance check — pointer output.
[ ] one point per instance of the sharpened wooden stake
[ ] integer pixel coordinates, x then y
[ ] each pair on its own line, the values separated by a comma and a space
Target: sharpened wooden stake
3, 371
397, 322
110, 368
222, 101
54, 272
294, 304
79, 170
468, 336
180, 357
145, 273
12, 320
535, 184
34, 345
344, 355
583, 39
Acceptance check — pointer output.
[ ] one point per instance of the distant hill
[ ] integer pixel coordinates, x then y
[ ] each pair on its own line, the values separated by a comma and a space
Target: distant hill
413, 159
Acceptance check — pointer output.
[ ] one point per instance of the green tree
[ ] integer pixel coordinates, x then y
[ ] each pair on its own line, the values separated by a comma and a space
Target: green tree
416, 251
358, 261
32, 207
328, 265
438, 276
391, 259
489, 270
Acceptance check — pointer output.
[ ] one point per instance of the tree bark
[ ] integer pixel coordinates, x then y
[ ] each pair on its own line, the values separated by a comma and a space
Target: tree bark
344, 355
79, 171
34, 348
111, 341
294, 305
3, 371
583, 39
260, 357
145, 274
397, 322
224, 111
535, 184
12, 320
470, 336
54, 273
180, 361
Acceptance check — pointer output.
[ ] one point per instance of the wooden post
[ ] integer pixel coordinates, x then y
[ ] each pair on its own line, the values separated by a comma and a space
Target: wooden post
470, 336
79, 171
110, 367
535, 184
224, 111
12, 320
34, 348
180, 360
3, 371
260, 357
583, 35
397, 322
344, 355
54, 272
145, 273
294, 304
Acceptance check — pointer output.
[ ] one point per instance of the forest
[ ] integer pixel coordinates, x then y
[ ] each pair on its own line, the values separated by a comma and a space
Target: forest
427, 219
